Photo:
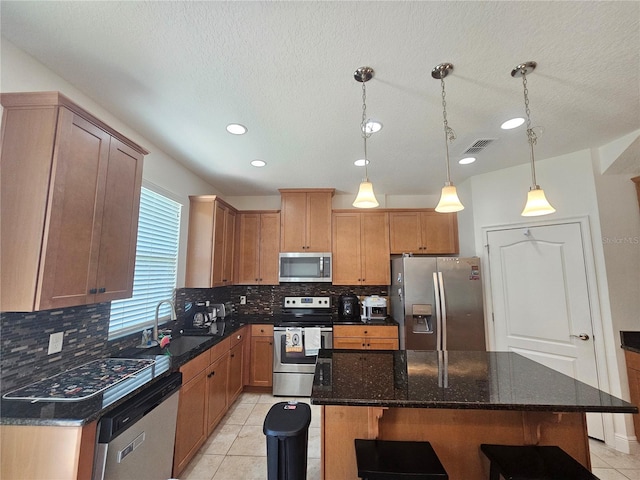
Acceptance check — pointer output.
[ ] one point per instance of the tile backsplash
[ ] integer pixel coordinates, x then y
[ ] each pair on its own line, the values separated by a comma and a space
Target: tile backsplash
24, 337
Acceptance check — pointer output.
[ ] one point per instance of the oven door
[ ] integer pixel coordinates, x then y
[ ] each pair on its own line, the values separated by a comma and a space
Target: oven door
296, 362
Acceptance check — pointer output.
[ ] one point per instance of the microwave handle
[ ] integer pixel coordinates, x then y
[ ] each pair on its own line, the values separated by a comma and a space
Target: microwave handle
322, 266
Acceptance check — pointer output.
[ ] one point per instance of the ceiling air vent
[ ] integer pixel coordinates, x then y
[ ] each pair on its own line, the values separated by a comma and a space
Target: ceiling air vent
478, 145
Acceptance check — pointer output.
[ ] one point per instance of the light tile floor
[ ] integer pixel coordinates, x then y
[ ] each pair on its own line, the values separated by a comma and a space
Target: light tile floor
237, 449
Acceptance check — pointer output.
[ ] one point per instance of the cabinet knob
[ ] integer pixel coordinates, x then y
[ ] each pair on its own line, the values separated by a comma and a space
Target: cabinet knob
239, 337
365, 332
270, 343
233, 355
211, 374
93, 291
102, 290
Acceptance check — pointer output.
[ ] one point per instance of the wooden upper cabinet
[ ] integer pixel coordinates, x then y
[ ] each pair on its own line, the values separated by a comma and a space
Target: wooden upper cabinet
423, 231
210, 246
361, 248
306, 220
70, 195
257, 248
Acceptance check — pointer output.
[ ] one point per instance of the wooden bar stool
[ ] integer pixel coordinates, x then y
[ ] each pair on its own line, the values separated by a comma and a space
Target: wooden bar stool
392, 460
530, 462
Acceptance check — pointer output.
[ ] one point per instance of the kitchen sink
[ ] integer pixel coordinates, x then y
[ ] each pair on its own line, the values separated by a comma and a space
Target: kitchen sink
177, 347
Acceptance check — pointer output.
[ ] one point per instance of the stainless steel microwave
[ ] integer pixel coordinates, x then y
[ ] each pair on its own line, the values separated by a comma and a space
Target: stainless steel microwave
305, 267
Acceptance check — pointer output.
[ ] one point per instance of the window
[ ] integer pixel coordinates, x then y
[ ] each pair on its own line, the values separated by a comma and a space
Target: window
156, 265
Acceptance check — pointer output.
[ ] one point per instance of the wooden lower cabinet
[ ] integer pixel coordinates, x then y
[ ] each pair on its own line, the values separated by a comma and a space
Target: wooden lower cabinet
217, 378
633, 372
45, 452
261, 358
235, 382
356, 337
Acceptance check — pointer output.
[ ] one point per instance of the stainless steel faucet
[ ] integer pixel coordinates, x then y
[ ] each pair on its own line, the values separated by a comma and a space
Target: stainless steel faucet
155, 323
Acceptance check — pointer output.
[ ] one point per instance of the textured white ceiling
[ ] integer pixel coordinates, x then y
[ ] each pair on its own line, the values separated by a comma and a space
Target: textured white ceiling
179, 72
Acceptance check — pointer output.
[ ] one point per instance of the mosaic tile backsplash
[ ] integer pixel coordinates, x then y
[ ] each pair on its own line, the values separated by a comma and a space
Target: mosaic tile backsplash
24, 337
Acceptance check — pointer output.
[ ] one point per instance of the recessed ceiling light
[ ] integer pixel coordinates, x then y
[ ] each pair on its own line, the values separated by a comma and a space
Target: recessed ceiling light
372, 126
236, 129
258, 163
467, 160
361, 162
513, 123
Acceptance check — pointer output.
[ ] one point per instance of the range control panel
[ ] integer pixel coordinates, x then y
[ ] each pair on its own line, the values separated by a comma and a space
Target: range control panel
307, 302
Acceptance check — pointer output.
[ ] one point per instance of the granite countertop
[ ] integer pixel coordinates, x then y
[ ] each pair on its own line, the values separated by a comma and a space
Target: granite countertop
630, 341
458, 380
76, 413
384, 322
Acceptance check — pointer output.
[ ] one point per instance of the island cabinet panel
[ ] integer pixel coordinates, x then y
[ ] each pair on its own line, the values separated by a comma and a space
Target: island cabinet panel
257, 248
261, 361
360, 248
305, 220
633, 372
210, 246
70, 194
423, 231
365, 337
454, 434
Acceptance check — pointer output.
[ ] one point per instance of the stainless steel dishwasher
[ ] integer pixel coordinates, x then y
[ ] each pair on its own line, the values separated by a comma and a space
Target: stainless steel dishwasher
136, 440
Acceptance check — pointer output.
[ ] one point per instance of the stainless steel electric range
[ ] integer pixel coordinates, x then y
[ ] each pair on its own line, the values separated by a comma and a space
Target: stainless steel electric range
304, 327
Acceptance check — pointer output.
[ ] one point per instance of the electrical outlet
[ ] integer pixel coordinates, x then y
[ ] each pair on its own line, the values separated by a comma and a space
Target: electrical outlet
243, 300
55, 342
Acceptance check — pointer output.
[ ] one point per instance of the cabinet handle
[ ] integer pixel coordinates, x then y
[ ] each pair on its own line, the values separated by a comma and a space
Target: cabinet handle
233, 355
363, 344
93, 291
365, 332
211, 374
239, 337
270, 343
102, 290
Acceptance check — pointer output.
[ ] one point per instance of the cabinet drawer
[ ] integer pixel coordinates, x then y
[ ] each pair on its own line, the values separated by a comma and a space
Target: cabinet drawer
377, 331
190, 369
262, 330
218, 350
237, 336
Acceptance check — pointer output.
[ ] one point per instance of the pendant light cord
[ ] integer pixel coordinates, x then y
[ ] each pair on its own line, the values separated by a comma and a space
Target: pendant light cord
449, 134
363, 128
531, 135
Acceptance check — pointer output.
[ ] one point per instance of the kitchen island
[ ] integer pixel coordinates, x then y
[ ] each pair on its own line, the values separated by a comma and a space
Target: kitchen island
454, 400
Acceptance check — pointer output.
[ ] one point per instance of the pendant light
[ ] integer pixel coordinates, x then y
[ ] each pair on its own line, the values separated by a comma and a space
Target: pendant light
449, 201
365, 197
537, 203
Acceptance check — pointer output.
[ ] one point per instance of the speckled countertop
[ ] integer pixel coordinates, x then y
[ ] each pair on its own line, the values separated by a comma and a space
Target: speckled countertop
459, 380
630, 341
74, 413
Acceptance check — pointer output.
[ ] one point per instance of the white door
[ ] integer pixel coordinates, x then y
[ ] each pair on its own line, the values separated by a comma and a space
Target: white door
541, 303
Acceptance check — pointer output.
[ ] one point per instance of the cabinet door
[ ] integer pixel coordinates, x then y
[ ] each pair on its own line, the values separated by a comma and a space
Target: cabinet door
382, 343
192, 419
439, 232
200, 244
217, 377
375, 256
119, 223
346, 249
269, 248
229, 246
71, 245
219, 219
352, 343
234, 384
248, 244
261, 361
293, 222
405, 235
318, 234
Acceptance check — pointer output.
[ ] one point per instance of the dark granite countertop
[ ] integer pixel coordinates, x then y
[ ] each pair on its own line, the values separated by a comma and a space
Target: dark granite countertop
630, 341
75, 413
459, 380
384, 322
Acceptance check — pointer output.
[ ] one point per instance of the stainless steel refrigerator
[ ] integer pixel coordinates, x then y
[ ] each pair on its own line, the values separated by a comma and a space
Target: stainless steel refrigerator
438, 303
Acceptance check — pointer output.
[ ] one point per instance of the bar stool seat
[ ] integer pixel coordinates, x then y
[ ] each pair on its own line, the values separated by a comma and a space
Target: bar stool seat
531, 462
394, 460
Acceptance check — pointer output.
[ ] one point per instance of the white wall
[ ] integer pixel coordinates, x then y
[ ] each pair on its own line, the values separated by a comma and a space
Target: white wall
19, 72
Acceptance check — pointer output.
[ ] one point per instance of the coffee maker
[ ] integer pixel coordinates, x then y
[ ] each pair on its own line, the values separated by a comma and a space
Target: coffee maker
349, 307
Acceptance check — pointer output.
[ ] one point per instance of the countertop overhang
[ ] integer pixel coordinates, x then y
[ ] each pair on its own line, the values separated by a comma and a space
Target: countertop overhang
453, 380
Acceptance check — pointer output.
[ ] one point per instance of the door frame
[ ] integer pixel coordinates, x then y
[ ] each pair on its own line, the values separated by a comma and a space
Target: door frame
602, 373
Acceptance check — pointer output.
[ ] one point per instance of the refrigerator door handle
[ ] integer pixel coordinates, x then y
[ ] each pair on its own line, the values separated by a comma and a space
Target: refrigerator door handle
436, 289
443, 308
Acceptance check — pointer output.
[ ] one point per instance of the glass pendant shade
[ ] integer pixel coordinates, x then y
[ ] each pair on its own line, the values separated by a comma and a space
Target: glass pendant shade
537, 203
449, 201
365, 197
